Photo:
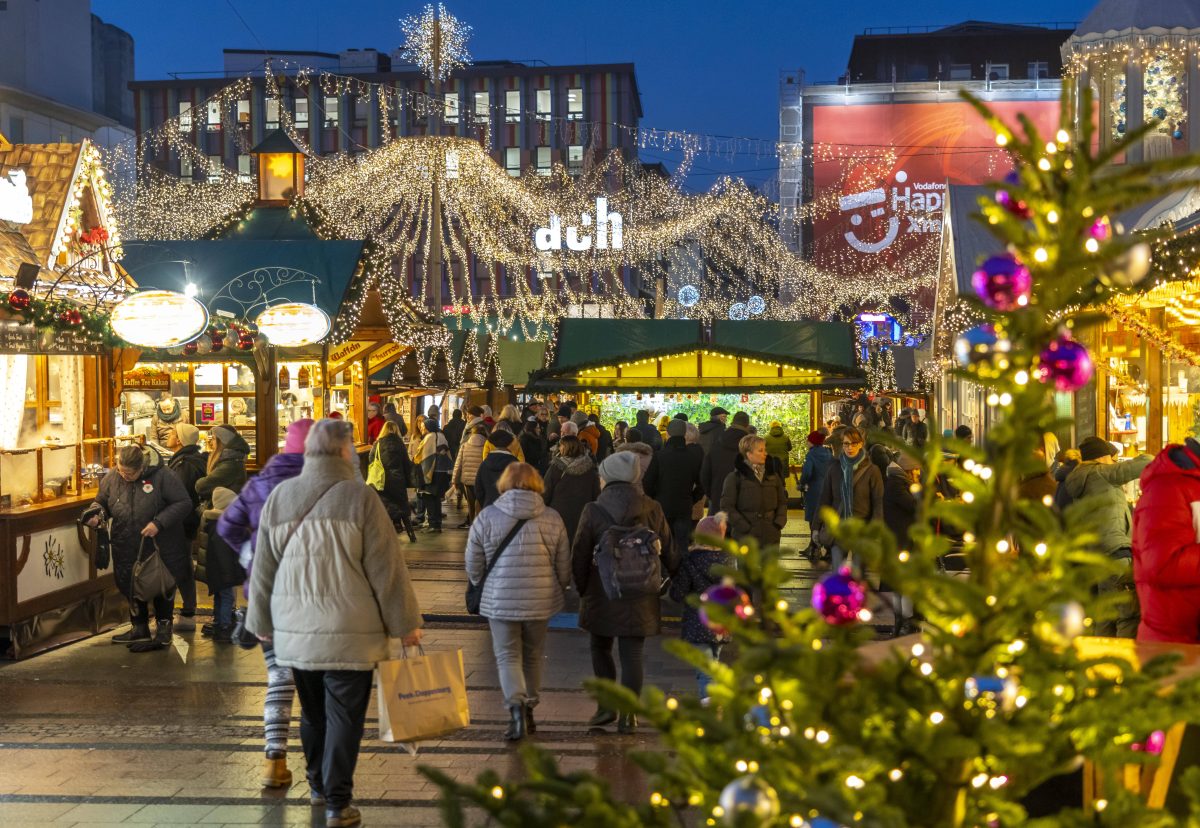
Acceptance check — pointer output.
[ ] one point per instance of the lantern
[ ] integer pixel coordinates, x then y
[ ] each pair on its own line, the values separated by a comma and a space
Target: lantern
293, 323
159, 319
280, 169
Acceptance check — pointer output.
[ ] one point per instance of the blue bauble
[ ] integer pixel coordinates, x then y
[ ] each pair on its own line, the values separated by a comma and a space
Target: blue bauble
1120, 127
1121, 108
1159, 112
1177, 134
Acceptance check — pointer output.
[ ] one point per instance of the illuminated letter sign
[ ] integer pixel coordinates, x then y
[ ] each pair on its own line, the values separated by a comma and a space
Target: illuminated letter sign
578, 238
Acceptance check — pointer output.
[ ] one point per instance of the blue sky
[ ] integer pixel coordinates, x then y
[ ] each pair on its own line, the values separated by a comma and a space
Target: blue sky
703, 66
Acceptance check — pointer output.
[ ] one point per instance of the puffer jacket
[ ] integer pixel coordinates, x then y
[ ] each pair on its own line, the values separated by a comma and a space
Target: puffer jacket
470, 455
217, 563
341, 588
710, 432
528, 580
639, 615
158, 496
695, 576
571, 485
718, 463
239, 523
1166, 546
229, 472
812, 479
756, 508
189, 464
1109, 515
779, 446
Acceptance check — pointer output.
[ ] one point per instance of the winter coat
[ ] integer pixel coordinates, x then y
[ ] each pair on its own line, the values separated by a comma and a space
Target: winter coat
374, 426
454, 433
466, 463
239, 523
217, 562
528, 580
868, 494
812, 479
340, 589
131, 507
591, 437
756, 508
488, 476
1037, 486
190, 464
1061, 499
644, 454
604, 444
398, 473
710, 433
1166, 547
673, 478
694, 576
427, 452
648, 431
571, 485
229, 472
779, 446
1108, 511
718, 464
917, 433
630, 616
537, 453
899, 504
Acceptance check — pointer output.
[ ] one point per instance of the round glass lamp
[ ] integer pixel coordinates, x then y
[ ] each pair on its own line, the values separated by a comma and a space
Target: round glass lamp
159, 319
293, 323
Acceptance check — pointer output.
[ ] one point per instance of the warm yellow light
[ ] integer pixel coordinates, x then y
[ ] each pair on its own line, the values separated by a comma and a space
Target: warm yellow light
159, 319
293, 323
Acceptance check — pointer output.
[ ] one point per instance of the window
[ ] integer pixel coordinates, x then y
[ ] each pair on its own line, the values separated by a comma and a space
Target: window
185, 116
214, 116
483, 106
960, 71
214, 169
243, 113
244, 169
185, 168
575, 159
512, 106
575, 104
272, 113
452, 107
543, 160
16, 129
331, 111
512, 161
543, 105
998, 71
1038, 69
301, 113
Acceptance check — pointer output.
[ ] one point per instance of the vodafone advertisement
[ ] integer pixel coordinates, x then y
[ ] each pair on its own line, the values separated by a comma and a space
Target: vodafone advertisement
878, 202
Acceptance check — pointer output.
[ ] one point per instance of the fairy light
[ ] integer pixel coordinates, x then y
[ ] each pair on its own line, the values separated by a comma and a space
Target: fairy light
436, 41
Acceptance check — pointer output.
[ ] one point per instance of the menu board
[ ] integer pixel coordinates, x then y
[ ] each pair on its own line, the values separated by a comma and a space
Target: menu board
16, 338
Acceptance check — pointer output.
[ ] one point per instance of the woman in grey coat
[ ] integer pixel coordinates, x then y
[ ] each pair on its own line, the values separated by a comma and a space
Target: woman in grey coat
524, 589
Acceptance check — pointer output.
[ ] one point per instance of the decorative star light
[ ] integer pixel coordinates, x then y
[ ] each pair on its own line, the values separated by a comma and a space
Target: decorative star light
436, 41
688, 295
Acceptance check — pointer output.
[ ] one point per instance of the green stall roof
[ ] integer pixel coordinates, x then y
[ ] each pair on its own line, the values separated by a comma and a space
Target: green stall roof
600, 341
829, 345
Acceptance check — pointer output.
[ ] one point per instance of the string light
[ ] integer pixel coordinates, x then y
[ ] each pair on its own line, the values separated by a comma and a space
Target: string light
436, 41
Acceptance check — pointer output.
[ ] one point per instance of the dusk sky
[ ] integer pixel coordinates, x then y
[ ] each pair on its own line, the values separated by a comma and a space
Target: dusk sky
702, 66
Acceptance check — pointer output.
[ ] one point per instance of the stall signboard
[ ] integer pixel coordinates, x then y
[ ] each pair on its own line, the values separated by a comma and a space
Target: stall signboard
380, 359
348, 351
143, 379
20, 338
882, 206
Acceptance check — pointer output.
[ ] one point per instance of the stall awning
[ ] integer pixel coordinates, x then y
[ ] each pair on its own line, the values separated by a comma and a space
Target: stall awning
675, 355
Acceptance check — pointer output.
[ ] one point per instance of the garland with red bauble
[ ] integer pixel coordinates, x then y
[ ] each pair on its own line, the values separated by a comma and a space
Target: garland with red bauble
58, 315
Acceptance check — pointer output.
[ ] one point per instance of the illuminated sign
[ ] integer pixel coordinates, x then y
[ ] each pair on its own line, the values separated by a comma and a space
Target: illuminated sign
16, 204
579, 238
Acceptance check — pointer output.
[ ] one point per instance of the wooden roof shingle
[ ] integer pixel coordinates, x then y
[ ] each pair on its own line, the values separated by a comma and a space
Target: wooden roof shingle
49, 172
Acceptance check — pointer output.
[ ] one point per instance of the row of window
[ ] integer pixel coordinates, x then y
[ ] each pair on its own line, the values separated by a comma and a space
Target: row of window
480, 111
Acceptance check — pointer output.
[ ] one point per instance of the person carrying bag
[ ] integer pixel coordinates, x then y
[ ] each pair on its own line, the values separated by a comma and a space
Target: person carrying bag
421, 697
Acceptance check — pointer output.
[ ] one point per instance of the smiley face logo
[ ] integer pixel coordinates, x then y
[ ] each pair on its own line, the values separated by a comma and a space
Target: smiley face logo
876, 199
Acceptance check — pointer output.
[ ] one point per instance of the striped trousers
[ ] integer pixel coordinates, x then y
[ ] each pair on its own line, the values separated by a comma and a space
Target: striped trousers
277, 711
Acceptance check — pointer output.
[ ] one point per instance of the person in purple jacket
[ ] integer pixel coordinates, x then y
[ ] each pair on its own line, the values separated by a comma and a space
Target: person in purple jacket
238, 527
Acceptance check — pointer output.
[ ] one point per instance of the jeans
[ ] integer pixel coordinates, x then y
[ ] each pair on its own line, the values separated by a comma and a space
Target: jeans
630, 650
433, 509
518, 647
223, 602
164, 608
333, 709
468, 491
703, 679
187, 593
277, 709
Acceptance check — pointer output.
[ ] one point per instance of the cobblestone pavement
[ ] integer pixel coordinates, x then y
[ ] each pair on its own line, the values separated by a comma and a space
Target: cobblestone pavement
92, 735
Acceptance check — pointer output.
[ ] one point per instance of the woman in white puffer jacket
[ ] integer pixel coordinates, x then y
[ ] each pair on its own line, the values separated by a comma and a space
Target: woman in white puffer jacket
525, 586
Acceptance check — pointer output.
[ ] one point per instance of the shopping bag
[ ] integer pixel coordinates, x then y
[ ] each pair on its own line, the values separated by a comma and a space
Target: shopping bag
422, 697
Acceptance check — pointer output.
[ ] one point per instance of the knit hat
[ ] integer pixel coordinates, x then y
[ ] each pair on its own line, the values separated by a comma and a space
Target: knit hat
187, 433
1093, 448
907, 462
224, 433
297, 433
713, 525
621, 467
500, 438
676, 428
816, 438
579, 418
741, 419
564, 411
222, 498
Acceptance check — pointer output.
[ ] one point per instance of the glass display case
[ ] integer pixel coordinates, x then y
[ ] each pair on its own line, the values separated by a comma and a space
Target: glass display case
299, 390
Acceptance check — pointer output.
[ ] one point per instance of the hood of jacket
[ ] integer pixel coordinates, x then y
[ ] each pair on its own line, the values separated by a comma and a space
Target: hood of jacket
732, 436
279, 468
776, 431
644, 449
1172, 465
238, 449
676, 443
520, 504
188, 455
579, 465
1064, 470
894, 470
621, 500
711, 425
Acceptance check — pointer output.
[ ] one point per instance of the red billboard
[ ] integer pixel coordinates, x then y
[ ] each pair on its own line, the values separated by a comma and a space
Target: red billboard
880, 173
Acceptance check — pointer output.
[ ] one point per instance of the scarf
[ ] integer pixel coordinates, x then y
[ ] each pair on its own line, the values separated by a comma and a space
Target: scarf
760, 470
849, 467
174, 414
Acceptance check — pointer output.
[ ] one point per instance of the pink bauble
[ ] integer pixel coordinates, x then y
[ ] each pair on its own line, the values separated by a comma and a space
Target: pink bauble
1003, 282
838, 597
731, 598
1066, 364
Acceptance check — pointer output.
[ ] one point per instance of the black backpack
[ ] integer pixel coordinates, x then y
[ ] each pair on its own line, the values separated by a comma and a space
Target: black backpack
627, 558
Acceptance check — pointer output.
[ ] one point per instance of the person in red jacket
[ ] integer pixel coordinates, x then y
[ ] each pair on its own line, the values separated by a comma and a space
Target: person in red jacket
1166, 546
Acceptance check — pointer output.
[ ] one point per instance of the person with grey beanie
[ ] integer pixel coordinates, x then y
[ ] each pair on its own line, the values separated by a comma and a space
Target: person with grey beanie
630, 619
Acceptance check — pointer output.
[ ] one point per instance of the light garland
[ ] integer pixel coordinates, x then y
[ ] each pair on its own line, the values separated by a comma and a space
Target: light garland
436, 41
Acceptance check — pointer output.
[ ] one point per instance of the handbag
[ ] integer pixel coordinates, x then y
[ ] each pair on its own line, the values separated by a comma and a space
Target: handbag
151, 578
475, 591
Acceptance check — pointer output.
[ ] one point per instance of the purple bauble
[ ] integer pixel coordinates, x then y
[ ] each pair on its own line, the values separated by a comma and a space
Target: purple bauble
1010, 202
1003, 282
732, 598
1065, 363
838, 597
1101, 229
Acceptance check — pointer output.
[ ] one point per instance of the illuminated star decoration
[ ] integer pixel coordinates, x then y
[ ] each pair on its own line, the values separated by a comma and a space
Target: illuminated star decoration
421, 44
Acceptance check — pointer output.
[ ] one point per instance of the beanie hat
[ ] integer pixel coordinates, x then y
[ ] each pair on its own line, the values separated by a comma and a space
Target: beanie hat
224, 433
564, 411
713, 525
222, 498
187, 433
297, 433
621, 467
1093, 448
500, 438
676, 428
907, 462
816, 438
741, 419
579, 418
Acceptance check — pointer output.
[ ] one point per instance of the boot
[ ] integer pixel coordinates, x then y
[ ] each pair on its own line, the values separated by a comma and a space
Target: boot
340, 817
207, 630
185, 623
627, 723
161, 640
223, 634
276, 774
602, 717
140, 631
530, 724
516, 729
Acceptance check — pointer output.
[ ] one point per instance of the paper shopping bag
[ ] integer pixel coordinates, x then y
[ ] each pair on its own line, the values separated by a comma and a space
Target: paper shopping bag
422, 697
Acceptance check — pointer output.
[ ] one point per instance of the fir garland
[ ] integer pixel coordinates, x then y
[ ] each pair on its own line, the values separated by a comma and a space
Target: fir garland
62, 315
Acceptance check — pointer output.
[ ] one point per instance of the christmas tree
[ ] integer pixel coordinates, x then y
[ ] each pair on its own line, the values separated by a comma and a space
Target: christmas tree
1003, 691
